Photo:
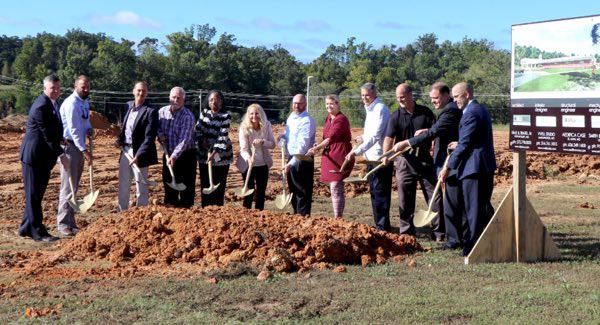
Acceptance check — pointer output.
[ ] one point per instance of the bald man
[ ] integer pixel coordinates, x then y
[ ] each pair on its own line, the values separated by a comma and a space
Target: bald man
474, 161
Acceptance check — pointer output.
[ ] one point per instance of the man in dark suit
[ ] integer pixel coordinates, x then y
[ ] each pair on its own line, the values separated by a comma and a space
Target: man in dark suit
444, 131
474, 161
39, 150
137, 138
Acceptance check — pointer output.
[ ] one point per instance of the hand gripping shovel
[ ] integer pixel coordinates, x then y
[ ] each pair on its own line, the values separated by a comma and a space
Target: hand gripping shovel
176, 186
245, 191
422, 218
357, 179
212, 187
138, 172
91, 197
282, 200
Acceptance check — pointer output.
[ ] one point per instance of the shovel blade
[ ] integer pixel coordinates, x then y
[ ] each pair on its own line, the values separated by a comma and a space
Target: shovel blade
423, 218
177, 186
244, 192
210, 189
282, 201
88, 201
354, 179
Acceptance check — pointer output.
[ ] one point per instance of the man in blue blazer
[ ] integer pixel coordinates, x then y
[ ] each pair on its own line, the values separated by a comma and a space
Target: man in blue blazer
444, 131
137, 138
474, 161
40, 149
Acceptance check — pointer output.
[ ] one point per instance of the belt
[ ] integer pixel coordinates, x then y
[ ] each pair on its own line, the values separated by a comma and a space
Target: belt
127, 144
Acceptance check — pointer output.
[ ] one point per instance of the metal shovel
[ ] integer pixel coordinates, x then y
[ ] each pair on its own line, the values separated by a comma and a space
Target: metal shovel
282, 200
176, 186
91, 197
136, 170
212, 187
356, 179
422, 218
245, 191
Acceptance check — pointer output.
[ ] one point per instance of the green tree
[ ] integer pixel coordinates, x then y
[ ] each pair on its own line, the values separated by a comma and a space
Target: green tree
114, 66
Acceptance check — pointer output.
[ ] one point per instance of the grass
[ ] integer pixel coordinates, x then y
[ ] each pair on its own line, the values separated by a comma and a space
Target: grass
563, 81
440, 289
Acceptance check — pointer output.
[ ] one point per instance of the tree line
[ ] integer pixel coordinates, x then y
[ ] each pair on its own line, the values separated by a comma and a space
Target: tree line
197, 58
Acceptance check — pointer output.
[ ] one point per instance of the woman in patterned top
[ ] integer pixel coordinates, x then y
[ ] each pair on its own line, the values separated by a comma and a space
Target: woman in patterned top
212, 136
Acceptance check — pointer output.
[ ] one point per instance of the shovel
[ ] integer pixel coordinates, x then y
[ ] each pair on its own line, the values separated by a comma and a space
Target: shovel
422, 218
212, 187
282, 200
176, 186
245, 191
357, 179
75, 204
91, 197
137, 171
345, 163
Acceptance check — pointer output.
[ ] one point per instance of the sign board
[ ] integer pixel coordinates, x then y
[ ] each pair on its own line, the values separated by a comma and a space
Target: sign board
555, 86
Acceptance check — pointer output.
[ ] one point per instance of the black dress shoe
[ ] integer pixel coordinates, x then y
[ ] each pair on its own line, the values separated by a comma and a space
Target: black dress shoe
46, 239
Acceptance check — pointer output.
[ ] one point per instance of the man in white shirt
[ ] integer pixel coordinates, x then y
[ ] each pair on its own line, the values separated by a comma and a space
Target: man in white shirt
380, 182
75, 116
300, 129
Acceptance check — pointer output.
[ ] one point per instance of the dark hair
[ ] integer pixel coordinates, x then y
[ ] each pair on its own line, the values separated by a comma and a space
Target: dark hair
217, 93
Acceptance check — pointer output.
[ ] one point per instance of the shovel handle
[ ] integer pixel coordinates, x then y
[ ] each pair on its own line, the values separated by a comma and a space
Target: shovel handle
381, 165
437, 186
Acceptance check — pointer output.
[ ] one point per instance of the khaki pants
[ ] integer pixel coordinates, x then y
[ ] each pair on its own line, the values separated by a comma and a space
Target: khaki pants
66, 215
126, 175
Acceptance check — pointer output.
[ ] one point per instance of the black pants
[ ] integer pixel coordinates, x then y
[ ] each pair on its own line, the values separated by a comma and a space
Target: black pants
380, 184
455, 221
185, 173
300, 183
259, 176
477, 208
35, 182
219, 174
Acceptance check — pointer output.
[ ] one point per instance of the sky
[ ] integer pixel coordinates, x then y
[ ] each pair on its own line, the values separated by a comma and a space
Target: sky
304, 28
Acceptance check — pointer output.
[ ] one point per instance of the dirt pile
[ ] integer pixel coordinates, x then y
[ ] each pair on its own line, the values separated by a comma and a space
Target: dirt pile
13, 123
215, 237
100, 122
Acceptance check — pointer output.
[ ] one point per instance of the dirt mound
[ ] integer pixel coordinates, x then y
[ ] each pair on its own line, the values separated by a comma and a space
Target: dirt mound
215, 237
13, 123
100, 122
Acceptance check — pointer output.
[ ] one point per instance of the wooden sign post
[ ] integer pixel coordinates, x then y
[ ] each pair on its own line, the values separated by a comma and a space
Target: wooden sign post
515, 233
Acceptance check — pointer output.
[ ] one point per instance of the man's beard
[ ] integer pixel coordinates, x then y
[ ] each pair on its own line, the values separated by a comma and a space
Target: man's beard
83, 96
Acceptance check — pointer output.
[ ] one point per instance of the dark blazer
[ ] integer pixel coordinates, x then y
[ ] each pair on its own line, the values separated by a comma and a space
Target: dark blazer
144, 133
474, 153
43, 135
445, 129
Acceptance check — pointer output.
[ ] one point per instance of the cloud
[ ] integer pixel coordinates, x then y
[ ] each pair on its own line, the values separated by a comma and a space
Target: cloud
126, 18
453, 26
266, 23
393, 25
312, 25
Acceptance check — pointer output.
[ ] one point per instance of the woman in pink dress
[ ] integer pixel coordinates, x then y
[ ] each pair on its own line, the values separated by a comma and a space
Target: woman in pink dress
335, 145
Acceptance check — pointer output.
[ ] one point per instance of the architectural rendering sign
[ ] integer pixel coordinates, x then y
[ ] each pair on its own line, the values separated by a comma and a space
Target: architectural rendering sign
555, 86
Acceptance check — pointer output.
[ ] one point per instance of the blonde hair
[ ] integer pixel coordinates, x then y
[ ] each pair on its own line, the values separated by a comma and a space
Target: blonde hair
246, 125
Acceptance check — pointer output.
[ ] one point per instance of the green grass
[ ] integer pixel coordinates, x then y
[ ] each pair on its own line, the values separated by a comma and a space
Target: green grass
564, 81
440, 289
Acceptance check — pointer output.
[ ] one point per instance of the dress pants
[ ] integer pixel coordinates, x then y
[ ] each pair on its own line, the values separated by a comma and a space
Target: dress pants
380, 184
219, 175
126, 175
407, 177
35, 182
300, 183
259, 176
66, 215
455, 222
185, 173
478, 210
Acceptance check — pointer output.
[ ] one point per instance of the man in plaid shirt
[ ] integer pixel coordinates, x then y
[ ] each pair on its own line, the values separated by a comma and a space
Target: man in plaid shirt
176, 134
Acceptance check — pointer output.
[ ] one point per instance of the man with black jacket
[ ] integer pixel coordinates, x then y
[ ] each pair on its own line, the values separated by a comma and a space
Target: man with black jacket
137, 139
40, 147
444, 131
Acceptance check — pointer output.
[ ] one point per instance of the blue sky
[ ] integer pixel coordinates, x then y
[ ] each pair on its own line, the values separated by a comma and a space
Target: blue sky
305, 28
